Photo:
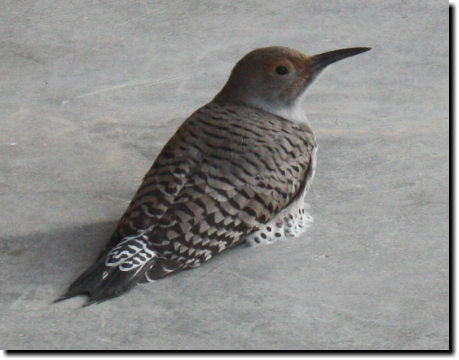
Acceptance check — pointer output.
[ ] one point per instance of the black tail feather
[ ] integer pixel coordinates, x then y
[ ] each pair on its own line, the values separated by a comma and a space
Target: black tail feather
101, 283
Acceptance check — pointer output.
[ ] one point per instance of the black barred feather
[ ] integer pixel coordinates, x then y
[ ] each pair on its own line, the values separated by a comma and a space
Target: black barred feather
228, 170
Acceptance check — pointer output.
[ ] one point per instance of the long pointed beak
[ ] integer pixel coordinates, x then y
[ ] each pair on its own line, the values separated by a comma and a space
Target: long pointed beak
320, 61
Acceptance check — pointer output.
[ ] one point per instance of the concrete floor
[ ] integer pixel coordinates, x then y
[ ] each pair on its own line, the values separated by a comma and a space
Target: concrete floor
91, 90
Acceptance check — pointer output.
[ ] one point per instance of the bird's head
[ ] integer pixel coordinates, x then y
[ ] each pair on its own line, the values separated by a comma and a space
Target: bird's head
275, 78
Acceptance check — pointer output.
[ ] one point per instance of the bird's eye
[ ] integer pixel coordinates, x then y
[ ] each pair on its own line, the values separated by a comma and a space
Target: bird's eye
282, 70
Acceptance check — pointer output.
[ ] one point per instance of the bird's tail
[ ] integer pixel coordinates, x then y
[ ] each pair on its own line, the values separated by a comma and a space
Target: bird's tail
115, 272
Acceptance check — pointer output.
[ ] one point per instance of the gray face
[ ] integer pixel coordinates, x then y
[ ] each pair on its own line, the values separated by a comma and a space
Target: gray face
276, 76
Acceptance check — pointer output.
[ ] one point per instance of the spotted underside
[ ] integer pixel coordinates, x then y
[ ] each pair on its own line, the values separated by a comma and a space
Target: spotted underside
287, 225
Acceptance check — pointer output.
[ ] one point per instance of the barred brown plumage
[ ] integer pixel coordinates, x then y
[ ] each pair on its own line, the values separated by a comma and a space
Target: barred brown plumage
236, 170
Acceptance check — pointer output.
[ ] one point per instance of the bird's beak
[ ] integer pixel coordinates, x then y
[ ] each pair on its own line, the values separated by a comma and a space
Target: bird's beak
321, 61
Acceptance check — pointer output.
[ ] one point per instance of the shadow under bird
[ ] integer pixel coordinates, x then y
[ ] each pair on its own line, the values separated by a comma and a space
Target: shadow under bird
236, 171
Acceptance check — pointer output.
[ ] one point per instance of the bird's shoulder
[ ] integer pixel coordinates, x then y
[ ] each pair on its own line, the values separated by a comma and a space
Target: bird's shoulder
231, 121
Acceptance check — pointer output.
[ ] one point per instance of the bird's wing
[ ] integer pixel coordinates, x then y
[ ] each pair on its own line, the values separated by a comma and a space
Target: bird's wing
225, 172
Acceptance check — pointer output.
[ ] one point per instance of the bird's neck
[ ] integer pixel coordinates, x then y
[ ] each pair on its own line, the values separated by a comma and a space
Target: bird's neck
292, 112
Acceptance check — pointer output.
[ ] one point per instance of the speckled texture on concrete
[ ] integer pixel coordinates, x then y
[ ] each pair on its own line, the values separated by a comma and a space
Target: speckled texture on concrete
91, 90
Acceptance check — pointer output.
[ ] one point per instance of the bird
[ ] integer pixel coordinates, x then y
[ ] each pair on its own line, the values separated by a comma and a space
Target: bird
235, 172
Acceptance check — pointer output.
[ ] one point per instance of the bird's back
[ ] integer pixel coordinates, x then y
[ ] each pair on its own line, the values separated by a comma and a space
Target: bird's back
227, 171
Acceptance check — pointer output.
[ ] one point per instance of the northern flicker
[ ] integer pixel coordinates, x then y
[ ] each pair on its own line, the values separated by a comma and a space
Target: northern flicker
236, 171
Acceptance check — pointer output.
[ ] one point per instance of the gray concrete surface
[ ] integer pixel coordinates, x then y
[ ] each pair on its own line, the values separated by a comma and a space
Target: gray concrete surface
91, 90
